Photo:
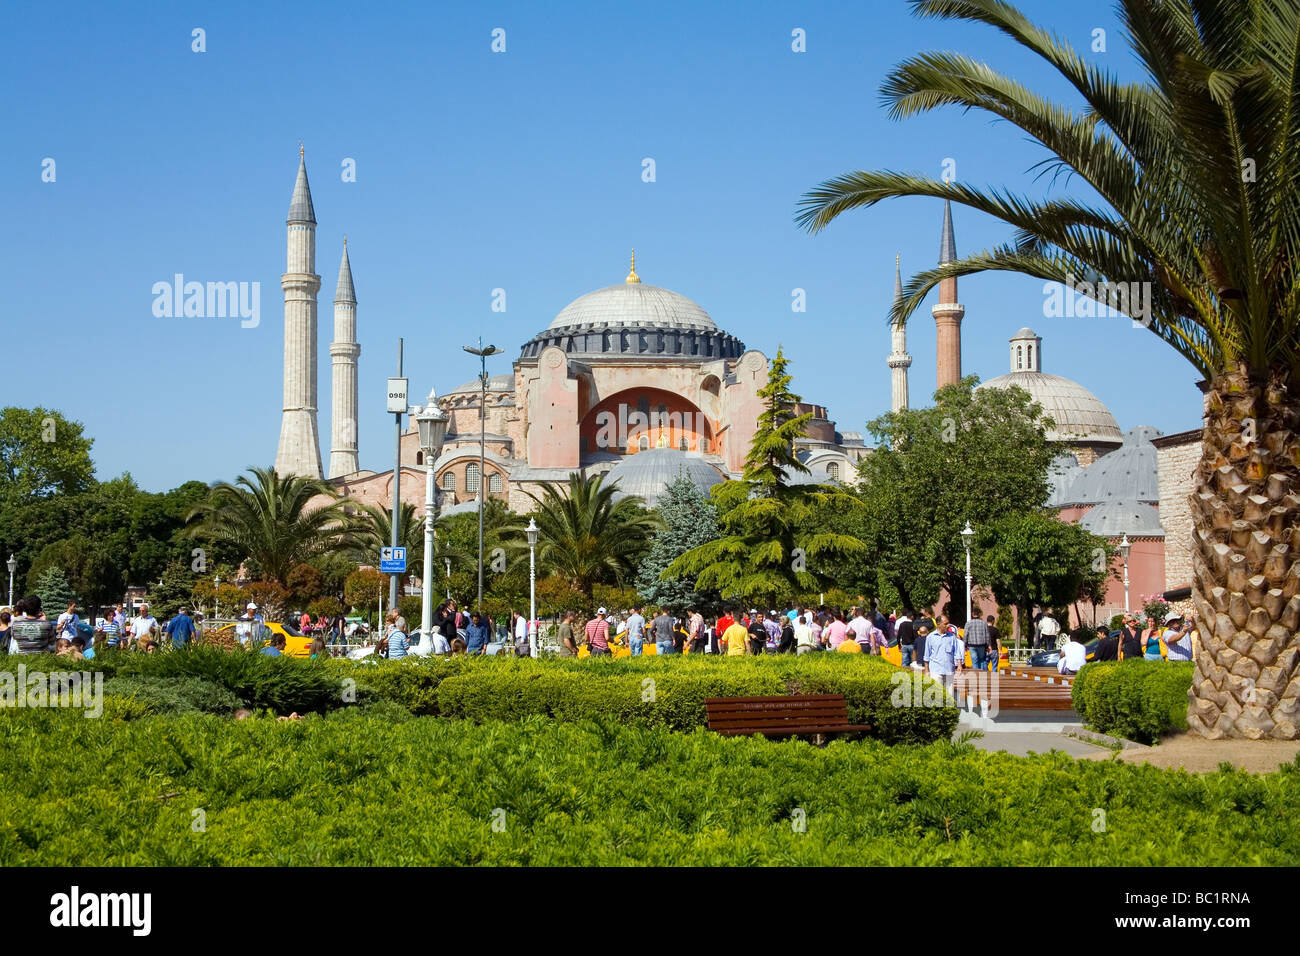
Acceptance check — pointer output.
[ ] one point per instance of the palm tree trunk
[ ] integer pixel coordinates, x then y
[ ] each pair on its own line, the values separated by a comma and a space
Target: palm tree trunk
1246, 541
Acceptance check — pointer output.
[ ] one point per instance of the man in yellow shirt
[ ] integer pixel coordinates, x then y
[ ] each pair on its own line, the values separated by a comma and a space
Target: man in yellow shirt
736, 637
849, 646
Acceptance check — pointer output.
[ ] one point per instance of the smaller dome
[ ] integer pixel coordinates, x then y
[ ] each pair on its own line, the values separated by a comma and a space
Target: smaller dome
1115, 518
1060, 475
504, 382
1025, 333
1130, 473
648, 473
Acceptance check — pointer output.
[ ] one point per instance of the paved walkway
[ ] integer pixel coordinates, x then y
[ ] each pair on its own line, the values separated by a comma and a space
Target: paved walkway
1022, 744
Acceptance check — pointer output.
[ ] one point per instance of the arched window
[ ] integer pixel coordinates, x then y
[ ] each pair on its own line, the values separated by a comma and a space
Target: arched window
833, 469
1029, 351
643, 443
419, 458
494, 482
449, 481
471, 477
1020, 357
682, 444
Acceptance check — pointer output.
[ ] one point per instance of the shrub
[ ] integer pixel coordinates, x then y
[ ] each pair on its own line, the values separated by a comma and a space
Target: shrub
359, 789
1137, 699
175, 695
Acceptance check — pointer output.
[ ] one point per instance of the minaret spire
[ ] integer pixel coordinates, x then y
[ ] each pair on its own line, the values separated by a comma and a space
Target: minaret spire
947, 314
344, 351
299, 449
632, 276
899, 360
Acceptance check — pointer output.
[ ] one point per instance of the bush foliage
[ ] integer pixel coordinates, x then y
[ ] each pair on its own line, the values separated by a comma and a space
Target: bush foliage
1136, 699
361, 790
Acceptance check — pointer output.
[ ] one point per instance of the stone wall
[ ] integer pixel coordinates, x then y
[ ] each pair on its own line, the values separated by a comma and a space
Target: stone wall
1177, 456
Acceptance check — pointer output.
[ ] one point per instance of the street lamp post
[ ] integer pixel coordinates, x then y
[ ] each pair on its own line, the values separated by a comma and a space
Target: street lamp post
447, 561
216, 602
1124, 547
966, 535
432, 423
532, 587
483, 354
12, 564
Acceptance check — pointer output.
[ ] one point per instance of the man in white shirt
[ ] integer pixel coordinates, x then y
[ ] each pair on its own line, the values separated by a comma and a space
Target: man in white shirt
635, 631
1048, 630
144, 626
804, 641
1178, 637
1073, 655
68, 621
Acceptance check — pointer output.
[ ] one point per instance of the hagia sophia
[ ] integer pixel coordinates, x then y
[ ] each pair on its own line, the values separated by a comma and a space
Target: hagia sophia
639, 383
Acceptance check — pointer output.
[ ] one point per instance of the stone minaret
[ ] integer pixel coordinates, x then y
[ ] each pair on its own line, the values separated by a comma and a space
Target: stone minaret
947, 314
899, 360
299, 452
343, 354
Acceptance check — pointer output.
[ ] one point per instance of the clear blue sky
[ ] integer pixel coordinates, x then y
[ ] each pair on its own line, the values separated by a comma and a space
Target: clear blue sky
478, 170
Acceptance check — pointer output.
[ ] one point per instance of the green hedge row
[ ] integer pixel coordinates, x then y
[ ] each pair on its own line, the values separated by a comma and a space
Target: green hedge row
352, 789
664, 694
1136, 699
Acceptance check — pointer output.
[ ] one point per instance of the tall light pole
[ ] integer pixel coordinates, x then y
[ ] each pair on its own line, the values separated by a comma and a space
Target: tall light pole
483, 354
1124, 547
447, 561
216, 602
12, 564
396, 405
966, 535
432, 423
532, 587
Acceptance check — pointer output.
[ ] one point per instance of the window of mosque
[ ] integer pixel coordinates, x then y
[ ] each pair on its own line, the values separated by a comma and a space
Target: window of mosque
1029, 350
643, 443
682, 444
419, 458
833, 469
1020, 357
494, 482
471, 477
449, 481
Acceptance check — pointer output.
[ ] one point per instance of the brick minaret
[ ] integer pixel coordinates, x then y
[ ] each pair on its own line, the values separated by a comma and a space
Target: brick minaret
899, 360
299, 451
343, 390
947, 314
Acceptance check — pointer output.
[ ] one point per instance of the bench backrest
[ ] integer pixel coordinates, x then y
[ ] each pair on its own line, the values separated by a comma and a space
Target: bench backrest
775, 713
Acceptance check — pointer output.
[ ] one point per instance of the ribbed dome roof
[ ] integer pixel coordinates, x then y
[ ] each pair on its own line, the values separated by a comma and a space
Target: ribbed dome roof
496, 383
647, 473
1130, 473
1060, 475
633, 304
1114, 518
1078, 415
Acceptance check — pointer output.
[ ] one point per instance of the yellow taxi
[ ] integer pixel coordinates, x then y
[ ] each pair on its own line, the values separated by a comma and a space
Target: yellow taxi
296, 644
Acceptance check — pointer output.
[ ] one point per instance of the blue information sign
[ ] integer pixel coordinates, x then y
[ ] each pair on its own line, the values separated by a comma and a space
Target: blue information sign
392, 560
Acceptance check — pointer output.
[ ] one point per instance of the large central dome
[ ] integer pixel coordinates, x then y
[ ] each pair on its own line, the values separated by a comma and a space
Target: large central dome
634, 305
634, 320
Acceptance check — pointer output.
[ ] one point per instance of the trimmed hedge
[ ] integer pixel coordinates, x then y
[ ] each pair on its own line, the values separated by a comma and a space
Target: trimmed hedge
1136, 699
172, 695
670, 693
349, 789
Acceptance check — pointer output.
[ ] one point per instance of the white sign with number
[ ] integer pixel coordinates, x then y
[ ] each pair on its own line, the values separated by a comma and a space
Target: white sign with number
397, 395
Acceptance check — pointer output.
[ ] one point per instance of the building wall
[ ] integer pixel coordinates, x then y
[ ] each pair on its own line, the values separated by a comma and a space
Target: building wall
1177, 457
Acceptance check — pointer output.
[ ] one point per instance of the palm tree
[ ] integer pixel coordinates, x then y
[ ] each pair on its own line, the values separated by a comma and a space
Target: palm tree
1201, 207
268, 518
587, 537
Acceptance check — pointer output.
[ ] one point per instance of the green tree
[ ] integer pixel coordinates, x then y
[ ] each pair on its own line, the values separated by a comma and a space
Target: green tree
1199, 222
1033, 558
975, 455
91, 569
42, 454
173, 591
587, 536
52, 587
269, 519
775, 543
689, 520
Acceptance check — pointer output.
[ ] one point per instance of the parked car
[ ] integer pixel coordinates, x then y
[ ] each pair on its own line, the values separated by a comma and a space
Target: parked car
1050, 658
296, 644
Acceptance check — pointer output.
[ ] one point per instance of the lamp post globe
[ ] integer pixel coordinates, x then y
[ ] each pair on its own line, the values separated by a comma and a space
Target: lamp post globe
432, 423
12, 565
1124, 547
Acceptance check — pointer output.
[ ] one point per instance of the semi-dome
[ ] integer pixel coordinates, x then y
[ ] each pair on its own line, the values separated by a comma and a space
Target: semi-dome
633, 319
1078, 416
648, 473
1114, 518
1130, 473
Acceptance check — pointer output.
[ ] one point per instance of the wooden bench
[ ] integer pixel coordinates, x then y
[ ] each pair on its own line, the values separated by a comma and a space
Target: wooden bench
793, 715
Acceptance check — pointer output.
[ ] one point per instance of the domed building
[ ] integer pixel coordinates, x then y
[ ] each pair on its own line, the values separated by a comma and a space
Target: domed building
632, 380
1080, 419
